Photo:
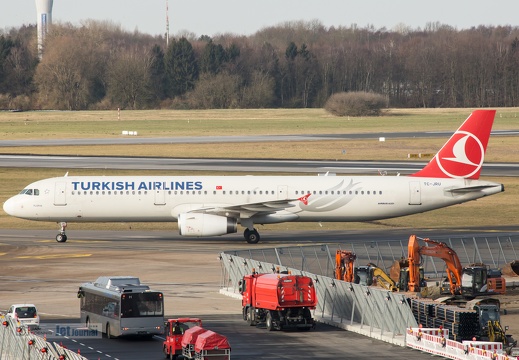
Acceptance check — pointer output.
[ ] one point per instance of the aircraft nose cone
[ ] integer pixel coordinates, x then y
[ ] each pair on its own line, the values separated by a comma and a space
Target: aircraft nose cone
9, 206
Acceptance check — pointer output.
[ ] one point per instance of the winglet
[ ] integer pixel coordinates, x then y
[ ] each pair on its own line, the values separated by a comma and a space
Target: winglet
463, 154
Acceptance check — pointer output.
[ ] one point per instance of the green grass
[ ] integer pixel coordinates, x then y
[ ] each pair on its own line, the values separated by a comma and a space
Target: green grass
152, 123
492, 211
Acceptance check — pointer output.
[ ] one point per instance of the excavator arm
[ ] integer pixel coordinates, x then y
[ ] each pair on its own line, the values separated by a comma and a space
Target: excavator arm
383, 279
344, 261
439, 250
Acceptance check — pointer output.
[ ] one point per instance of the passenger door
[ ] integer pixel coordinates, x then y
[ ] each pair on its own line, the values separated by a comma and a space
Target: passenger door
60, 198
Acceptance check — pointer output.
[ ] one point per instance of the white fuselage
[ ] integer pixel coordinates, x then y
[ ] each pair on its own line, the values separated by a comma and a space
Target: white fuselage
163, 198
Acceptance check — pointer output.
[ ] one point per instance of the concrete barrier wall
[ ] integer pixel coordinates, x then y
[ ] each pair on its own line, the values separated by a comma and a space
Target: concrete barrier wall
18, 343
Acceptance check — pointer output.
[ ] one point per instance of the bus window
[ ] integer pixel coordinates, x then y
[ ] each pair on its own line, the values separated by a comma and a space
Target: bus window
143, 304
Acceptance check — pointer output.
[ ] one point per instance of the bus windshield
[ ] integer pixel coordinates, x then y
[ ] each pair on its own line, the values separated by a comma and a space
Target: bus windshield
141, 305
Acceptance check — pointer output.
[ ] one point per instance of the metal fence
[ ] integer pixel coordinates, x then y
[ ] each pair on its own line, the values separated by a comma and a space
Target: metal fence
18, 343
372, 311
493, 251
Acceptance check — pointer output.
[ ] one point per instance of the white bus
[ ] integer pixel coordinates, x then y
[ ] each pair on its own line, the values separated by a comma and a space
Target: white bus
123, 306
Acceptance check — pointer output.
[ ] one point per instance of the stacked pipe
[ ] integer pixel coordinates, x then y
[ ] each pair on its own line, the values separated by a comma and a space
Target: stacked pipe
462, 324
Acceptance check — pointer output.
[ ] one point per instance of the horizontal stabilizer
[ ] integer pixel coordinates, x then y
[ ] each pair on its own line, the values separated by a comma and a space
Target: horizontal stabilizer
470, 189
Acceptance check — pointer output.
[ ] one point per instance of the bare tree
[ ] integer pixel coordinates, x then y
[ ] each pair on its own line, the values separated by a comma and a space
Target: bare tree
129, 80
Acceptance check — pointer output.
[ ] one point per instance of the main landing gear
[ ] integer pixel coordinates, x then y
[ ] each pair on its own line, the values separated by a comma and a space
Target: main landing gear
62, 237
251, 236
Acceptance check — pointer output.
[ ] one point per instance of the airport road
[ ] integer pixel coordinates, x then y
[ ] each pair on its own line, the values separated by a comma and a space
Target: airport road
37, 269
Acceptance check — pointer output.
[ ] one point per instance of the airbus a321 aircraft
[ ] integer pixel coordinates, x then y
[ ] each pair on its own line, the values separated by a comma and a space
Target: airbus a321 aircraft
215, 205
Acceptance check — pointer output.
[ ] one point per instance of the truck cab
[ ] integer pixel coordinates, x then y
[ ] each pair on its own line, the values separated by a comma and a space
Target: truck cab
174, 331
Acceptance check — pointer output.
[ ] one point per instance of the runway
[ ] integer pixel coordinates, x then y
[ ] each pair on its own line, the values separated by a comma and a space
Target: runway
234, 165
136, 140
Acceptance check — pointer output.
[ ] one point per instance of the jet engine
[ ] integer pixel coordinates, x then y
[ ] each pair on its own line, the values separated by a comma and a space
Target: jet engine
199, 224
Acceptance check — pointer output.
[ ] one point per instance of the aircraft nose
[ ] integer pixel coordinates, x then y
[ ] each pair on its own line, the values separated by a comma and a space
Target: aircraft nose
10, 206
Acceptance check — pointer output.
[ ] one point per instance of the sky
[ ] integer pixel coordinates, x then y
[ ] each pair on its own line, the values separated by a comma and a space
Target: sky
245, 17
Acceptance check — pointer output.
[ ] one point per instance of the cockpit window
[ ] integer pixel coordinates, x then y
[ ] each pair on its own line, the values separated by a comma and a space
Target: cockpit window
30, 192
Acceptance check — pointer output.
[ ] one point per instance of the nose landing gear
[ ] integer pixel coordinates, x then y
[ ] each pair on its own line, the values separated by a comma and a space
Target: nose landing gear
62, 237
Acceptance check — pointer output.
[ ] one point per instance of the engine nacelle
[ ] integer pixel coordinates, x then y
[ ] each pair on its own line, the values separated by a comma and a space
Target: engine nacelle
199, 224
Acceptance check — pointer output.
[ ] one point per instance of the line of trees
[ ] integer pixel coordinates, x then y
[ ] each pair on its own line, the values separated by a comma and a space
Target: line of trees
97, 65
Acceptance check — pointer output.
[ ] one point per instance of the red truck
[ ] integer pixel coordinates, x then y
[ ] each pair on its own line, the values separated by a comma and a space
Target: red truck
278, 300
174, 331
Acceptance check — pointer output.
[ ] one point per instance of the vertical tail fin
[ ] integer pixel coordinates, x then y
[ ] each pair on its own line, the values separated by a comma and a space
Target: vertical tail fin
462, 156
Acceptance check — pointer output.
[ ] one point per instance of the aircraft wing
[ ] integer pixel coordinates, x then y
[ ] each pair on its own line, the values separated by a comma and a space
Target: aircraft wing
247, 210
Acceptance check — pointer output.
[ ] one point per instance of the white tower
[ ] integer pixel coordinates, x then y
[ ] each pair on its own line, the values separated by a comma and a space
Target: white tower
44, 13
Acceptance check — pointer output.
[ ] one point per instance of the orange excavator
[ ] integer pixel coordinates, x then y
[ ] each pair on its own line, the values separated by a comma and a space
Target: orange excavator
478, 279
439, 250
344, 261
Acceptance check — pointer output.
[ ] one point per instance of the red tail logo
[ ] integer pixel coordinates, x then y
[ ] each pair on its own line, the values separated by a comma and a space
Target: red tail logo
462, 156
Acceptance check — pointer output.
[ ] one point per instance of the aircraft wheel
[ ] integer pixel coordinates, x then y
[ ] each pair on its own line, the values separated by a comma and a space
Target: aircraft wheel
252, 236
61, 238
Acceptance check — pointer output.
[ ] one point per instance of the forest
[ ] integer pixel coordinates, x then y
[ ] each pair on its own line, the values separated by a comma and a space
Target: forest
97, 65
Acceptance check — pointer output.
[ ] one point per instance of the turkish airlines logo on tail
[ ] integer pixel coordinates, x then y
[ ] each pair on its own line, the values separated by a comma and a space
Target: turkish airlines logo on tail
464, 158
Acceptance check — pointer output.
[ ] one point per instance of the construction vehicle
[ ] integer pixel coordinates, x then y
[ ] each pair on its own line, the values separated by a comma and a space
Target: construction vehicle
344, 269
174, 330
402, 270
369, 275
469, 282
278, 300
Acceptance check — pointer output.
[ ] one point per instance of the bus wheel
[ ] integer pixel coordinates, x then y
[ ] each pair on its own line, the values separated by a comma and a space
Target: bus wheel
108, 334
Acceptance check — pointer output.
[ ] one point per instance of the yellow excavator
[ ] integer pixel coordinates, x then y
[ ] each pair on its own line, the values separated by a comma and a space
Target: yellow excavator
370, 275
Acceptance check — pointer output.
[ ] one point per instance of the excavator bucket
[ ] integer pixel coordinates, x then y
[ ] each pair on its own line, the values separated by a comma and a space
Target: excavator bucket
511, 269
